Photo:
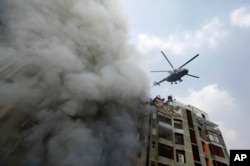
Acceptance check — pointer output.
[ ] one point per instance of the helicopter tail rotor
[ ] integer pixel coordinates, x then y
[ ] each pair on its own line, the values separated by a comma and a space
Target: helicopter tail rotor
156, 83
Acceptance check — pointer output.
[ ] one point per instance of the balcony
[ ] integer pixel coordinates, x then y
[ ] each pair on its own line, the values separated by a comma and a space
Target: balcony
205, 122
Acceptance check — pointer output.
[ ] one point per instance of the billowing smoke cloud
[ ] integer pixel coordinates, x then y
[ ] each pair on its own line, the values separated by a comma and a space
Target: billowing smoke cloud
90, 88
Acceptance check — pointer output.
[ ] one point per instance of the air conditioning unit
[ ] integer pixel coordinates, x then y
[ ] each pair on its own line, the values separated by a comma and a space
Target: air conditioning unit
181, 158
153, 131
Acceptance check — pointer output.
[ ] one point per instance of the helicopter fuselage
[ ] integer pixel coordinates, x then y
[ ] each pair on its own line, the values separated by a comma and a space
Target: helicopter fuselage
177, 74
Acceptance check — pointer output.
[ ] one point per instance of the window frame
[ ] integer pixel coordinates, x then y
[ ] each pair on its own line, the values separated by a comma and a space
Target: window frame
165, 133
178, 124
216, 150
165, 151
213, 137
164, 119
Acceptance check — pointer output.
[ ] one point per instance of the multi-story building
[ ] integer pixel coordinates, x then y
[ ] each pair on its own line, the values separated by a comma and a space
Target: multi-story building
183, 135
13, 120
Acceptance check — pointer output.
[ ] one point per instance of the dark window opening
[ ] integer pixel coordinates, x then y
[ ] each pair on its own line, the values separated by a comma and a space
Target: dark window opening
164, 119
179, 138
216, 150
178, 124
165, 151
195, 153
192, 136
165, 133
189, 118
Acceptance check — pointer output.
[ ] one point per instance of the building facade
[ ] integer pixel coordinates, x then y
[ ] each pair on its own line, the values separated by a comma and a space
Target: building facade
183, 135
14, 120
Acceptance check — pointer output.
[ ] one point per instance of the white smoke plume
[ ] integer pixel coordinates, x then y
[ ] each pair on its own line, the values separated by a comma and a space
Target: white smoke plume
89, 87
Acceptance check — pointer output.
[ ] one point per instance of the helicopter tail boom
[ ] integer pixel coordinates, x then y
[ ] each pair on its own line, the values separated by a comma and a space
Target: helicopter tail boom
192, 76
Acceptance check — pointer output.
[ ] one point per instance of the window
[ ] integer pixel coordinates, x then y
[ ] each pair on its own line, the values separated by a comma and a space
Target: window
178, 124
189, 118
213, 137
165, 133
164, 119
165, 151
180, 156
192, 136
179, 138
216, 150
195, 153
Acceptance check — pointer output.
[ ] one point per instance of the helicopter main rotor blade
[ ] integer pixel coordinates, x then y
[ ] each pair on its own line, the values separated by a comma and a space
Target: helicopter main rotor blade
167, 60
163, 71
188, 61
193, 76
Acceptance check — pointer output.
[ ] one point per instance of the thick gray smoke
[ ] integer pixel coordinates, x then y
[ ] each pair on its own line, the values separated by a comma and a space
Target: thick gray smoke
89, 87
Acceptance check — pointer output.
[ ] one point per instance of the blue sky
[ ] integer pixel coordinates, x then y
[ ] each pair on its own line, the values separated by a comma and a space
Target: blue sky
220, 32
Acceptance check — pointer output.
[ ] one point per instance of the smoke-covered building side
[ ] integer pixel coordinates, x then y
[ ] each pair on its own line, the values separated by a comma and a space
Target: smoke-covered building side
16, 125
69, 92
183, 135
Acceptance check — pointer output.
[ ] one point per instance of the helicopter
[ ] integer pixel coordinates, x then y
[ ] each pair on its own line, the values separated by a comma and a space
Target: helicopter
176, 74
